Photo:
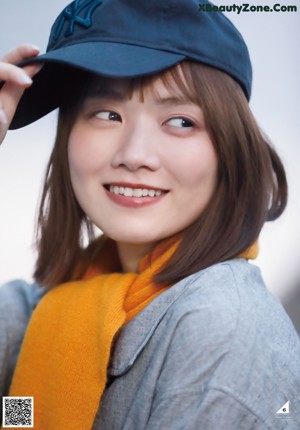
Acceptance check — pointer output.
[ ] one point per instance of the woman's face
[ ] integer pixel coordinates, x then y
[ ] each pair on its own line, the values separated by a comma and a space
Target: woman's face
142, 166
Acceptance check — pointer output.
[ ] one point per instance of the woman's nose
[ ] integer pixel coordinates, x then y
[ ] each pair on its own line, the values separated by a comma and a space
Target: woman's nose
137, 149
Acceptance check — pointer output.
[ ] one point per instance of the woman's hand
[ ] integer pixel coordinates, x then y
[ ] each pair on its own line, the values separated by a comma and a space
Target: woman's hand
16, 80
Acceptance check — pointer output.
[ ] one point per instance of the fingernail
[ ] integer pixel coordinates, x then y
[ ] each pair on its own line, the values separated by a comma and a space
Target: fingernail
25, 79
36, 48
39, 68
3, 117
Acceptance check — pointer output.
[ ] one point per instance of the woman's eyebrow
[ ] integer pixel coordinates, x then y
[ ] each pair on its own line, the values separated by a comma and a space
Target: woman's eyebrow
108, 93
114, 94
174, 100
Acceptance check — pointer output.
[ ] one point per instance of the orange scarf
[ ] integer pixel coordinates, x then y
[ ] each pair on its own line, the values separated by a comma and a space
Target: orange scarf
66, 350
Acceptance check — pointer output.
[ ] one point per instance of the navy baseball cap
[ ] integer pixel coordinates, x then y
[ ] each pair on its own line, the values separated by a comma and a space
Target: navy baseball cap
125, 39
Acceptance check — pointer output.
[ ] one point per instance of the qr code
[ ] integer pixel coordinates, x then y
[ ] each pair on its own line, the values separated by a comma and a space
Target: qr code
17, 412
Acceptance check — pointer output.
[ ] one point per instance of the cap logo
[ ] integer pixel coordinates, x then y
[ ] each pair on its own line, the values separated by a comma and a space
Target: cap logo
73, 14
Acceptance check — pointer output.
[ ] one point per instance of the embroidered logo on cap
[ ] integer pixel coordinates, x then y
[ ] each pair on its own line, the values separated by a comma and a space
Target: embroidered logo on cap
73, 14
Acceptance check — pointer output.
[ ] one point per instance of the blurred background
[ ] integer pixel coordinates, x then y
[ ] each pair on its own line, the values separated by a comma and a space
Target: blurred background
273, 41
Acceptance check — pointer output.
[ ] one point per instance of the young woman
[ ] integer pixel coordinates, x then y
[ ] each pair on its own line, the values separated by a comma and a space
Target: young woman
161, 322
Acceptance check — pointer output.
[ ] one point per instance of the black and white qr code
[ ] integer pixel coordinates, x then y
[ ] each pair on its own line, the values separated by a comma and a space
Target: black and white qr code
17, 412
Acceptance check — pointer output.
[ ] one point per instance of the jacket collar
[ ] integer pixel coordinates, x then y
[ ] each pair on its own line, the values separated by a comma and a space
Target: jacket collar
135, 335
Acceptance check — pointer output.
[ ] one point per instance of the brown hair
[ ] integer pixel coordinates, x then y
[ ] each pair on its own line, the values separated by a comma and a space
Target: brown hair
251, 184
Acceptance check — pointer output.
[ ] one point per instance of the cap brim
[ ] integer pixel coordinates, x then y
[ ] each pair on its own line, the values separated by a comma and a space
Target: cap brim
108, 59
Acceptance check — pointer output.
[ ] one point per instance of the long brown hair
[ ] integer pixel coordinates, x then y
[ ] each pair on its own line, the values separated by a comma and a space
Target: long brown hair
251, 184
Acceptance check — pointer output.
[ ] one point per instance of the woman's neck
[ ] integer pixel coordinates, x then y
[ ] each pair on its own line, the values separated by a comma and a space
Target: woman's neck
130, 254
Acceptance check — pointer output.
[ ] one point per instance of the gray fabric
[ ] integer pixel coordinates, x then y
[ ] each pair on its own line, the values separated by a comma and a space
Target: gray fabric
215, 351
17, 301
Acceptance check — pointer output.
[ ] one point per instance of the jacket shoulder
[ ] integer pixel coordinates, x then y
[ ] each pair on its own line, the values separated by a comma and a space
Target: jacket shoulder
17, 302
231, 334
233, 290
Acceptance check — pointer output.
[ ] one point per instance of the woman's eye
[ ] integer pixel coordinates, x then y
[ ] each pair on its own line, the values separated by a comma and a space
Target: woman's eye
180, 122
108, 116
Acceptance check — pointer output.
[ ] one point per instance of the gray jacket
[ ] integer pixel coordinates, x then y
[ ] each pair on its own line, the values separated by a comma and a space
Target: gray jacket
214, 352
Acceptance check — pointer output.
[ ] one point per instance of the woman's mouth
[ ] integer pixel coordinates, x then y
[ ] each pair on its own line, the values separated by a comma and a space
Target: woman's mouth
134, 195
134, 192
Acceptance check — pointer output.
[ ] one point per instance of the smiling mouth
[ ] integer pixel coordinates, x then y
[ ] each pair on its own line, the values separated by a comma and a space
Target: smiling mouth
134, 192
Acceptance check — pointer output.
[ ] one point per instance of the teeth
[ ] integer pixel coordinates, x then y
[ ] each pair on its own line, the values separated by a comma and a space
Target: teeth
128, 192
134, 192
137, 192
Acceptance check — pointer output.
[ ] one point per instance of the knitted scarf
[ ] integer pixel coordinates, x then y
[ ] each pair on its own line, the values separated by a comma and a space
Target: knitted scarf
66, 349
